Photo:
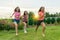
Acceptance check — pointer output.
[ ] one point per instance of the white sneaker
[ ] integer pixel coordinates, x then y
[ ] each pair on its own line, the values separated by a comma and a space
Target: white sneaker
25, 31
43, 35
16, 34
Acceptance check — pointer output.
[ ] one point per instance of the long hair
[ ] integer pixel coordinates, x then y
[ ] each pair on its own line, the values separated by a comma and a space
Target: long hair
40, 9
17, 9
25, 13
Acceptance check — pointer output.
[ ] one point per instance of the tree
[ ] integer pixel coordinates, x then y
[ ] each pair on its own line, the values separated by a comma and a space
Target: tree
58, 20
56, 14
51, 15
59, 14
52, 20
31, 16
47, 14
48, 20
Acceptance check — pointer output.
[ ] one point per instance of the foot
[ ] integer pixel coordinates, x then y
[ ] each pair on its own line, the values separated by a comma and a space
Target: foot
43, 35
25, 31
16, 34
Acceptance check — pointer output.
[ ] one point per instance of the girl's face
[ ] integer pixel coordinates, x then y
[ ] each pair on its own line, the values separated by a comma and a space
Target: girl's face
17, 9
26, 13
43, 9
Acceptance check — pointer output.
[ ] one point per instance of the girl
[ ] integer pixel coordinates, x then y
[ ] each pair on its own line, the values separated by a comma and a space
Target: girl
16, 18
41, 20
25, 20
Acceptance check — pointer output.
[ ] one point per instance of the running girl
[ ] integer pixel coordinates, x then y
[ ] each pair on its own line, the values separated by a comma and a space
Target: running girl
16, 18
25, 20
41, 20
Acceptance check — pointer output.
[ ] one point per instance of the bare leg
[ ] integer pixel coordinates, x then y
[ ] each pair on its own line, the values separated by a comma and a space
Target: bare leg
16, 28
43, 29
37, 27
25, 27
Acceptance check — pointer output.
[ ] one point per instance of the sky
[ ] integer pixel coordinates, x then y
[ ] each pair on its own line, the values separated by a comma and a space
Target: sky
7, 6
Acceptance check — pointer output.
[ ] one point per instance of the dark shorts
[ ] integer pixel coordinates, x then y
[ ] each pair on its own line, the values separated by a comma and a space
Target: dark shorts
17, 21
25, 21
39, 22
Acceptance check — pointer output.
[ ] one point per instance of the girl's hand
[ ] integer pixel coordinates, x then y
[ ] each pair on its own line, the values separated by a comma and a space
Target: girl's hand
11, 16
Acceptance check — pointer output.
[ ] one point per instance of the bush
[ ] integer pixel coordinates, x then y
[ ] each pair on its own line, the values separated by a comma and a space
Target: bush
52, 20
2, 24
30, 22
12, 26
48, 20
21, 25
7, 25
58, 20
45, 20
1, 27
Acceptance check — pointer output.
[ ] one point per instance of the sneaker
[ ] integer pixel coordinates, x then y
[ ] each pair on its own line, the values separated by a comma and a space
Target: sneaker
25, 31
43, 35
16, 34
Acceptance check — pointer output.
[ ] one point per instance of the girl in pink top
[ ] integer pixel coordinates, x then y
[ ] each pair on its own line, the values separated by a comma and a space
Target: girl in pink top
41, 20
16, 18
25, 20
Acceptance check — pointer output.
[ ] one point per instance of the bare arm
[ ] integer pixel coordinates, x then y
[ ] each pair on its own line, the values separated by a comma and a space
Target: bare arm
12, 14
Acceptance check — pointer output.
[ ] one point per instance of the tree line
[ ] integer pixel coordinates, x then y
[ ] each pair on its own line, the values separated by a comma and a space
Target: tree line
49, 18
53, 18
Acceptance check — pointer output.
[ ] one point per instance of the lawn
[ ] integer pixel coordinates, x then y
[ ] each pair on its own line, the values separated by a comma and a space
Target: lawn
52, 33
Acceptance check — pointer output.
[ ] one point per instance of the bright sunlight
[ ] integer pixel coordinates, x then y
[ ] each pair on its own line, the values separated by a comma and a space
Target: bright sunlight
36, 16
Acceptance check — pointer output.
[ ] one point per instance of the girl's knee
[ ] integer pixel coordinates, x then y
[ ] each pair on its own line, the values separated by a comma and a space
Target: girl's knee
43, 24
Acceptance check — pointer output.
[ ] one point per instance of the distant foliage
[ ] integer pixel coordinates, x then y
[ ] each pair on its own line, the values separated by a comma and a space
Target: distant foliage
48, 20
52, 20
7, 24
58, 20
31, 17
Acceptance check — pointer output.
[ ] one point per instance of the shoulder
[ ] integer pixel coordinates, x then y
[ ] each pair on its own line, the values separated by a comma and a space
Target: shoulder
39, 12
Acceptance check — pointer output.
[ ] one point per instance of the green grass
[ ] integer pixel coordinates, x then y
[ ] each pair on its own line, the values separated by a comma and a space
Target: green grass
52, 33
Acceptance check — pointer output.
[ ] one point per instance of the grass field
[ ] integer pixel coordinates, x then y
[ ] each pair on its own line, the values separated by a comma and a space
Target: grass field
52, 33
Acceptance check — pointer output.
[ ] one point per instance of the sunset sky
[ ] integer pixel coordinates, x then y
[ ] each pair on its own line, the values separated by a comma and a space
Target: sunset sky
7, 6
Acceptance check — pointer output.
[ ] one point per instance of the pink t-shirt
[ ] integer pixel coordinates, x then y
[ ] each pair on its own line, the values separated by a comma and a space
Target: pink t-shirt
17, 15
25, 18
41, 15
